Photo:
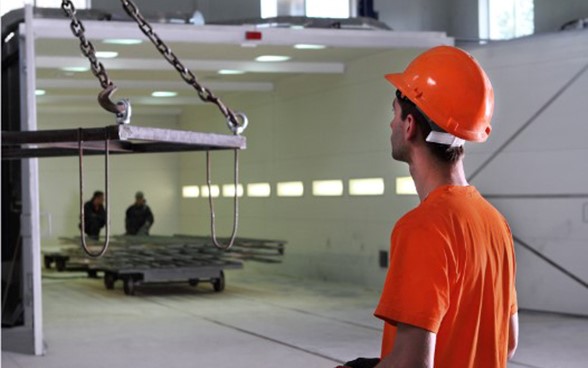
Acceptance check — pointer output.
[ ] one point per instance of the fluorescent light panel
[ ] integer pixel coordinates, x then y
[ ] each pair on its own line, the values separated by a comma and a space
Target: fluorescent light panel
309, 46
229, 190
40, 92
405, 186
272, 58
230, 72
291, 189
327, 188
259, 190
122, 41
366, 187
106, 54
164, 94
191, 191
215, 191
77, 69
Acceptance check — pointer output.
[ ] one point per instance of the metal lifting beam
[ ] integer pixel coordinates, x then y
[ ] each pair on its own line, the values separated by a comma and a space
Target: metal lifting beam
124, 139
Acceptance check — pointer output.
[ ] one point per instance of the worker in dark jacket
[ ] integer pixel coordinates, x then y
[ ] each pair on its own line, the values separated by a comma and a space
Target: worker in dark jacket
139, 217
94, 215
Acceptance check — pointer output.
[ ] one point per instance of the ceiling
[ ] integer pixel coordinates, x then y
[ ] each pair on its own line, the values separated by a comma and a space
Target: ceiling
139, 69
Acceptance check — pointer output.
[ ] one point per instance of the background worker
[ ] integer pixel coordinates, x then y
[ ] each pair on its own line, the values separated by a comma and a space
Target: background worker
139, 217
94, 215
449, 299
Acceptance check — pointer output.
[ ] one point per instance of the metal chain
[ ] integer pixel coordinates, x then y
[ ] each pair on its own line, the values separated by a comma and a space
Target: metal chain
86, 46
236, 121
122, 109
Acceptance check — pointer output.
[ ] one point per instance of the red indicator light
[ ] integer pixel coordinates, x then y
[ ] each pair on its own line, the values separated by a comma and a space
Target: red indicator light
253, 36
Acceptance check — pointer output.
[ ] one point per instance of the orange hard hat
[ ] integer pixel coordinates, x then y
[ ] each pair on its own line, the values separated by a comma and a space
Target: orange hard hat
449, 86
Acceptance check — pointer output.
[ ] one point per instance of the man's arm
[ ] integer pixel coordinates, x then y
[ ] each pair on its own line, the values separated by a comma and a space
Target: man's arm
150, 218
414, 347
513, 335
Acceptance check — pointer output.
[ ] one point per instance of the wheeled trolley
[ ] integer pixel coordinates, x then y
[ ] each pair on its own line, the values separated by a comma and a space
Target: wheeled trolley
190, 272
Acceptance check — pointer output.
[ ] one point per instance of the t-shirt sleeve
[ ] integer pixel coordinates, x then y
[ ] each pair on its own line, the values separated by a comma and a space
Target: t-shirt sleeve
514, 306
417, 285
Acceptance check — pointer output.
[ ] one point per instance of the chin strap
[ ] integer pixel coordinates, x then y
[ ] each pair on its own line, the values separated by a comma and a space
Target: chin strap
445, 138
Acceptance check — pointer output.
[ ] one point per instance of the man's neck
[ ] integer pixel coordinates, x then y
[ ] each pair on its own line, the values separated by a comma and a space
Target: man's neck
429, 174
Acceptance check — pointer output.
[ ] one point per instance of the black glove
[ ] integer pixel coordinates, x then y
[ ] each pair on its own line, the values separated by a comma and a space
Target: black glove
363, 363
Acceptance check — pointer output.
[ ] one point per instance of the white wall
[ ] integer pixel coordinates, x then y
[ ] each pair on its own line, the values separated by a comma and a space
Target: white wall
549, 157
155, 174
312, 127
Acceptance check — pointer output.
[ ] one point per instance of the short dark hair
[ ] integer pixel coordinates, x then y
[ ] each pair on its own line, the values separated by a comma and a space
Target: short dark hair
97, 193
442, 152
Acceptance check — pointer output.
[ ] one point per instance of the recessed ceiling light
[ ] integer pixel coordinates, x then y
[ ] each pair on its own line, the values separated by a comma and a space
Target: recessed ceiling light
9, 37
106, 54
230, 72
309, 46
272, 58
77, 69
122, 41
40, 92
164, 94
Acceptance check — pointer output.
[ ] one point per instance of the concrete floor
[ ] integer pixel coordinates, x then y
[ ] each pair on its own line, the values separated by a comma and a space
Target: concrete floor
258, 321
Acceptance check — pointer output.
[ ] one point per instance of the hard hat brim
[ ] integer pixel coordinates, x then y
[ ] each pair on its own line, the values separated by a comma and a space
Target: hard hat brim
397, 81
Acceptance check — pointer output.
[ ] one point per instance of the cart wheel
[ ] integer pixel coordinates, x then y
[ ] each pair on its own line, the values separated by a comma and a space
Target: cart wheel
193, 282
60, 264
93, 274
109, 281
129, 286
219, 284
48, 262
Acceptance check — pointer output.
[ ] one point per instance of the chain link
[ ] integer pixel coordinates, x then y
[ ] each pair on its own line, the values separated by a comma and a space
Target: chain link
237, 121
86, 46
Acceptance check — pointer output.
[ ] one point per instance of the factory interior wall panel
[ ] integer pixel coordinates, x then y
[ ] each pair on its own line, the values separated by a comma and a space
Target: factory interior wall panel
464, 19
425, 15
157, 175
551, 15
311, 128
547, 158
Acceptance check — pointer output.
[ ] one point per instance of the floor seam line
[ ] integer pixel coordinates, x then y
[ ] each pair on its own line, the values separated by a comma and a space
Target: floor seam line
251, 333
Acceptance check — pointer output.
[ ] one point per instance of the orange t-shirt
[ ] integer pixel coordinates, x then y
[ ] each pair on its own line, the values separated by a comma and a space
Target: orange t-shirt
452, 272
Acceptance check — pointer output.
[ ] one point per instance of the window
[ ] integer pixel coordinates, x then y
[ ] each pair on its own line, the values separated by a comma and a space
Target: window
191, 191
366, 187
506, 19
8, 5
405, 186
291, 189
214, 191
258, 190
229, 190
328, 9
79, 4
327, 188
310, 8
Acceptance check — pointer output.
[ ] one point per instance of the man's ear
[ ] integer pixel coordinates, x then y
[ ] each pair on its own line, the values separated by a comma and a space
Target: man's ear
411, 131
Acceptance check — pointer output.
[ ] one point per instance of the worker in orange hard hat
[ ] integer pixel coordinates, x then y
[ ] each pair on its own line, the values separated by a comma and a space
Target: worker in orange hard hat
449, 299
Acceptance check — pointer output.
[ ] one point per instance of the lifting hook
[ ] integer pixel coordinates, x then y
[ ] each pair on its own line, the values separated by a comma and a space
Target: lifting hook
122, 109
